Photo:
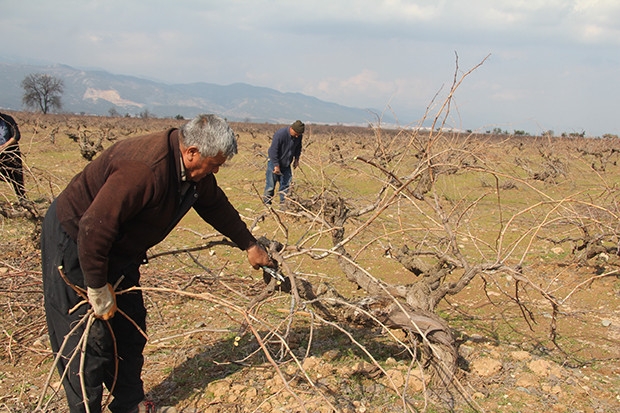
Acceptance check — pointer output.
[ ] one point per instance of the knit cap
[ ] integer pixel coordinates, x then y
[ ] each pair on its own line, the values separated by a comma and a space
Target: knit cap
298, 126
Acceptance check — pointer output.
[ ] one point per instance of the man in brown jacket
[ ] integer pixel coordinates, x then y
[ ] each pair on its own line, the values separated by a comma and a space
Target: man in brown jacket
99, 230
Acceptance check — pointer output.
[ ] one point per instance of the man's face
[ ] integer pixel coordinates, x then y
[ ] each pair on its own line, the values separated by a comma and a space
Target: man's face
197, 166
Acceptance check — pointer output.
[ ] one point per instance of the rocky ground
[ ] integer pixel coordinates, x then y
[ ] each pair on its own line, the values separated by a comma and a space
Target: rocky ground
193, 364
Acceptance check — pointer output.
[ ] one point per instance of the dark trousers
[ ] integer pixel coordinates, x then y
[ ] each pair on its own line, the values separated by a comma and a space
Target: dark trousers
58, 249
11, 170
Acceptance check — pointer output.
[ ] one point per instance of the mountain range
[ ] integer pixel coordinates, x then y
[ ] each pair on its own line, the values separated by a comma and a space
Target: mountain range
97, 92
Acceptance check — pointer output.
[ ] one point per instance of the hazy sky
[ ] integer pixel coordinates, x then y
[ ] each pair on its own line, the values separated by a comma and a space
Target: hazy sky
552, 65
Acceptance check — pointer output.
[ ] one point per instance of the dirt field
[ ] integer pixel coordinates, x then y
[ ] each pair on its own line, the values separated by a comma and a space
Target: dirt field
544, 338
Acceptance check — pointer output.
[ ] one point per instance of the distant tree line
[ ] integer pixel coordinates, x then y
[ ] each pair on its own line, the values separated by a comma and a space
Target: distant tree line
43, 92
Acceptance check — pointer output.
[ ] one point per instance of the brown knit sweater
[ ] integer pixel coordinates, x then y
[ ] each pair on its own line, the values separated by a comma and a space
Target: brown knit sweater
129, 198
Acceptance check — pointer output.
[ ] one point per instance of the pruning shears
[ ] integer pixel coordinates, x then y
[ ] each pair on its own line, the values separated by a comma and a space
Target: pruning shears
275, 274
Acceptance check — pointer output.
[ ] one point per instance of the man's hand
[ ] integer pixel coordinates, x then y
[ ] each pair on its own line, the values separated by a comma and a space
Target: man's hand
103, 301
295, 163
276, 170
258, 257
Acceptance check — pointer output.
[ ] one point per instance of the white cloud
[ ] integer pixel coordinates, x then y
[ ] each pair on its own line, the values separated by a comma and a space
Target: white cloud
352, 90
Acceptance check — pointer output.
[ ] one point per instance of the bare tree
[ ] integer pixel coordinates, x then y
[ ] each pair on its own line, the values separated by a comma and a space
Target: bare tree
42, 92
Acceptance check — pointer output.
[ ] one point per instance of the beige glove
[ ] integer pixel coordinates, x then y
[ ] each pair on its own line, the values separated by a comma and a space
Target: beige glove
103, 301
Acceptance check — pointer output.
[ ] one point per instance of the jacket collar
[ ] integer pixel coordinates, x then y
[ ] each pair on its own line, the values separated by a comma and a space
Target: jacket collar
176, 154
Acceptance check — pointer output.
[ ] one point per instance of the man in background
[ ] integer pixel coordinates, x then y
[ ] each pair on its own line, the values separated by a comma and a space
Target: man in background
11, 168
284, 153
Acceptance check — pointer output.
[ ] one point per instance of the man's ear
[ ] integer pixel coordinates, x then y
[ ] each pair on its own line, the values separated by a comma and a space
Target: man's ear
192, 153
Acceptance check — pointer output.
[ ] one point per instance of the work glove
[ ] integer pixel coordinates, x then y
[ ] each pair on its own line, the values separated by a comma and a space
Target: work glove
103, 301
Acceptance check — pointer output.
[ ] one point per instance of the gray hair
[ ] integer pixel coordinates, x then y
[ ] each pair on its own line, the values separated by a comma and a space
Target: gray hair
211, 135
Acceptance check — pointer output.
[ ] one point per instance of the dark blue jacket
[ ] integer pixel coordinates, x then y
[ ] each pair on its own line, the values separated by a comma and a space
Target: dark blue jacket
8, 128
284, 148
